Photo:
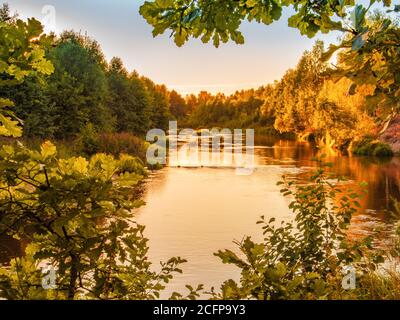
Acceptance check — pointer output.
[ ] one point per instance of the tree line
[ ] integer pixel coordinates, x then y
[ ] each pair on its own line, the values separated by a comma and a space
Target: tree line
85, 91
87, 96
303, 102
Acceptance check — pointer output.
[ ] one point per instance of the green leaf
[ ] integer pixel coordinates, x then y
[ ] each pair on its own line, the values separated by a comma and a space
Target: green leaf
358, 17
180, 37
216, 40
9, 127
163, 4
358, 42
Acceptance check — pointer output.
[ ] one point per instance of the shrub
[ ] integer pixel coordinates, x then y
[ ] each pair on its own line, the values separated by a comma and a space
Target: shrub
131, 164
370, 147
303, 259
88, 140
382, 150
118, 143
81, 210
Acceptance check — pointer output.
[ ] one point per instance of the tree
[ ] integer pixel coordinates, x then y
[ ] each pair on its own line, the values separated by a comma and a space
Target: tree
80, 210
191, 102
372, 57
371, 49
127, 99
340, 119
5, 14
178, 107
295, 96
22, 52
78, 87
28, 97
34, 107
159, 104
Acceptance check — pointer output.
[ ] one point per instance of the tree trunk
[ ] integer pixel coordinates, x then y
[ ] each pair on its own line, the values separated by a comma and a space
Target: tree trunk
350, 148
387, 122
303, 137
74, 277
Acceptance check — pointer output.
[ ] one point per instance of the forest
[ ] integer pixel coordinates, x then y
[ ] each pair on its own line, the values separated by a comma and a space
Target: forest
87, 97
72, 162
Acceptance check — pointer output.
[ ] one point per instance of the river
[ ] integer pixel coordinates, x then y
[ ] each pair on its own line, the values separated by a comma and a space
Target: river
193, 212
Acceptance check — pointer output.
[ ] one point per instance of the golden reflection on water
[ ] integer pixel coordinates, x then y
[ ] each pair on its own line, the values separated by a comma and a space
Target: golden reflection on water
194, 211
197, 209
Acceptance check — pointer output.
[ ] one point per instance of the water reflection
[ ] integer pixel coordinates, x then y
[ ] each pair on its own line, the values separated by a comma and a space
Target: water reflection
193, 212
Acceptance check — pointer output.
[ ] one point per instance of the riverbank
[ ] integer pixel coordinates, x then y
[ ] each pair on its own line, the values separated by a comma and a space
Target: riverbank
194, 212
392, 135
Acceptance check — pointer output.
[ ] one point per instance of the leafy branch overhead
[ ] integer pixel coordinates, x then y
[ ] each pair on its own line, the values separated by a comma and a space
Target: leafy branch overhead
220, 20
370, 47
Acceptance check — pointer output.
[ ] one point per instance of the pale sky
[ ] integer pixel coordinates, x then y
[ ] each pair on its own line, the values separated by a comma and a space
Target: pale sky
116, 24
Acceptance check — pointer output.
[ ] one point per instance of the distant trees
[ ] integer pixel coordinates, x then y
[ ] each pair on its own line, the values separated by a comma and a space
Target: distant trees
78, 88
368, 53
307, 101
178, 106
32, 104
159, 104
294, 97
310, 103
340, 118
6, 15
85, 92
239, 110
127, 99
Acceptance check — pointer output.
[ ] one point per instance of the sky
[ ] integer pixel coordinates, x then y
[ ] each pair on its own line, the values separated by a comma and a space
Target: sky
116, 24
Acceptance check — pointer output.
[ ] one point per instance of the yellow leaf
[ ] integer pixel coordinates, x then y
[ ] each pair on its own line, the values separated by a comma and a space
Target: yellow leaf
80, 165
48, 150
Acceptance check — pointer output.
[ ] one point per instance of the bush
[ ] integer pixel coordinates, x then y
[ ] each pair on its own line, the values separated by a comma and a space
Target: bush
81, 210
88, 140
382, 150
303, 259
131, 164
370, 147
121, 143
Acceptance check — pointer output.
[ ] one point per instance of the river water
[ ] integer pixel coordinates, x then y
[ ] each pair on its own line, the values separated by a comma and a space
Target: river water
193, 212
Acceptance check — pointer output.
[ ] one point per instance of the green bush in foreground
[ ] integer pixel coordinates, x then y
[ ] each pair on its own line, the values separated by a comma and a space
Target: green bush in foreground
76, 215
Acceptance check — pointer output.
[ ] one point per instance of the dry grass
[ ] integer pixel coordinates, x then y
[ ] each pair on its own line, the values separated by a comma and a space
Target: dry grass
117, 143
